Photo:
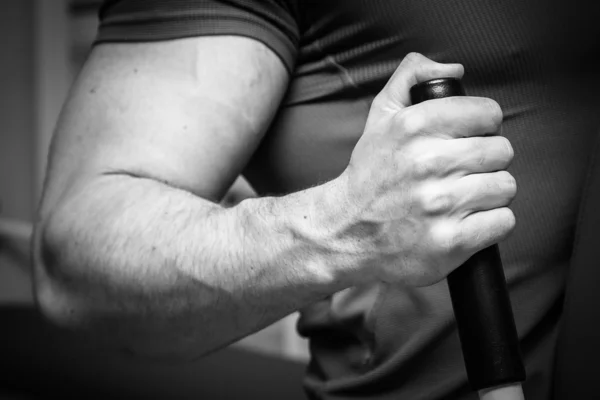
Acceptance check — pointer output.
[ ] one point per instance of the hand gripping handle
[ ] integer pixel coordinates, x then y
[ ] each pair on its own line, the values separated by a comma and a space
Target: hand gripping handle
479, 294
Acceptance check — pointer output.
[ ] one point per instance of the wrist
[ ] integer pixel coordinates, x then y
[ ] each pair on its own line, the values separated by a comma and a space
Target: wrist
279, 233
323, 222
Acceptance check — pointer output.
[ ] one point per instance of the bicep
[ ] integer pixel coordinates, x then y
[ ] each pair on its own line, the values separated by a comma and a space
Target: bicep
188, 113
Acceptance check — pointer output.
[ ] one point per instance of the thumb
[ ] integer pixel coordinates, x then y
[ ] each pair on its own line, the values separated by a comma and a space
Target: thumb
414, 68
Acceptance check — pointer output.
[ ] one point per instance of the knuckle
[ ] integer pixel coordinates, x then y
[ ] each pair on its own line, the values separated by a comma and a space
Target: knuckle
379, 101
446, 238
434, 200
510, 152
494, 110
509, 219
413, 58
410, 121
506, 222
510, 183
478, 148
426, 163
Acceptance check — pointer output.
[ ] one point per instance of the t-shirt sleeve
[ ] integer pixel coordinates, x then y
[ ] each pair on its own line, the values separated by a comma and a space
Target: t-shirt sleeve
272, 22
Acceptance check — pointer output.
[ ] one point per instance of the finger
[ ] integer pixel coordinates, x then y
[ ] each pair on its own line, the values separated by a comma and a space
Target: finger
482, 192
451, 118
475, 155
467, 195
485, 228
413, 69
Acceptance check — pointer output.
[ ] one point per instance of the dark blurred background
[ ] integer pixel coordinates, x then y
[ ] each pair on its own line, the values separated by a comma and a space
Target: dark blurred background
44, 44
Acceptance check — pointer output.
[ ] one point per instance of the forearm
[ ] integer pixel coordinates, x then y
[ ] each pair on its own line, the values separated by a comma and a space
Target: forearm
158, 270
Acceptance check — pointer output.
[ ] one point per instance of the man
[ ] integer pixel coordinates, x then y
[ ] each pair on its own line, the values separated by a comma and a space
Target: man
366, 202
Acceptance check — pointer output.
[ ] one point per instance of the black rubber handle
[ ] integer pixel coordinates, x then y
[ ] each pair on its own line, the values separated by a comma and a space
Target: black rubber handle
479, 294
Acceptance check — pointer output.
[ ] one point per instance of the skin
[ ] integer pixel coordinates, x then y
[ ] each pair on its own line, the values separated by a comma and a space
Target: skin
132, 246
506, 392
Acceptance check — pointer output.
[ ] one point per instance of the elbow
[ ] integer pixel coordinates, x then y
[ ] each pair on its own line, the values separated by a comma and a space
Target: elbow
60, 291
69, 288
63, 290
53, 276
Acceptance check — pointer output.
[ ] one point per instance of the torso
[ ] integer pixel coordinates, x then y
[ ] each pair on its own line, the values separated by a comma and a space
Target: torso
537, 59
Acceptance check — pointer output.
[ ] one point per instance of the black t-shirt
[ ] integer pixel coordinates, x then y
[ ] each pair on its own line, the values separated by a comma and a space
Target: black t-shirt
537, 58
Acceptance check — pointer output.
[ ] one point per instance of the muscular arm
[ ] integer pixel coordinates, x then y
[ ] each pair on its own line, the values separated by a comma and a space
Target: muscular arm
131, 244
